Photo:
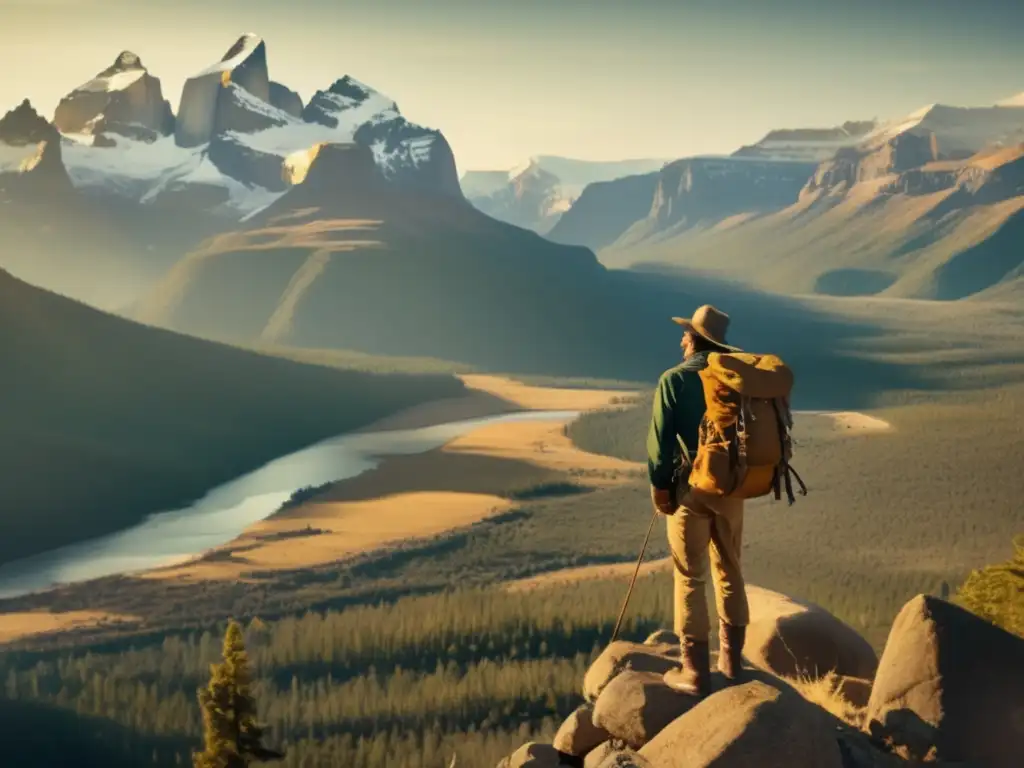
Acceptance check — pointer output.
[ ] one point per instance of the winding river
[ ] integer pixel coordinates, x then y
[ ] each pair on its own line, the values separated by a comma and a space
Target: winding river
222, 514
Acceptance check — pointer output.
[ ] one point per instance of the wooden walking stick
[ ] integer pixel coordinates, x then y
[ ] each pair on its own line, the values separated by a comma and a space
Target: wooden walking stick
643, 550
681, 476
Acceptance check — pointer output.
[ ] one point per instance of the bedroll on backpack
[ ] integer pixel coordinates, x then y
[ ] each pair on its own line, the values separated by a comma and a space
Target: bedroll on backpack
745, 444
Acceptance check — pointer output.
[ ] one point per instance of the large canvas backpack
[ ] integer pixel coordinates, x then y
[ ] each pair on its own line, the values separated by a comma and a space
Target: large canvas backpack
745, 444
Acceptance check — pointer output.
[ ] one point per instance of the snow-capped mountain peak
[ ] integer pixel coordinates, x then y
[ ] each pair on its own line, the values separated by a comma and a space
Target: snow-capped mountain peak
236, 55
126, 69
233, 132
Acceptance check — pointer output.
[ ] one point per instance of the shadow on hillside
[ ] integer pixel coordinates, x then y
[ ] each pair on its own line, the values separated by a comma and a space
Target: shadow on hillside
825, 350
42, 735
983, 265
442, 471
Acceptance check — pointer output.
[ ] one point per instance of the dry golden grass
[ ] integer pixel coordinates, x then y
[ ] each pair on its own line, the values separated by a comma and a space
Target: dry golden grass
336, 530
24, 624
835, 694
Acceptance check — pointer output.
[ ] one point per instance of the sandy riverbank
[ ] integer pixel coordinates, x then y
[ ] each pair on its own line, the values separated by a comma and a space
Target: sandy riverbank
18, 626
423, 495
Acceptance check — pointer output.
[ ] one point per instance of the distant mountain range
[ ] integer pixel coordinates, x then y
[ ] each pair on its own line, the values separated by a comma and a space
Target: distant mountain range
289, 213
537, 193
924, 206
151, 184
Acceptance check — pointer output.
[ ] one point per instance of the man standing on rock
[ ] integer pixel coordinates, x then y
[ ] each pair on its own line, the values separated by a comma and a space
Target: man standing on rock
698, 524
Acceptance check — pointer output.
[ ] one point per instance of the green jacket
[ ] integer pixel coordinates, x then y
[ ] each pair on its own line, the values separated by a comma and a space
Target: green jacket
678, 410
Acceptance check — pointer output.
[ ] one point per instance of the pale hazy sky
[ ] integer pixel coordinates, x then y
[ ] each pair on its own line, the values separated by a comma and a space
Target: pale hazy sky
506, 79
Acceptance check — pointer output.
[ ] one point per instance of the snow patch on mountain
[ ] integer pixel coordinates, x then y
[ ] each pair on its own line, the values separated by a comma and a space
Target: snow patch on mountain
959, 131
146, 170
243, 48
116, 81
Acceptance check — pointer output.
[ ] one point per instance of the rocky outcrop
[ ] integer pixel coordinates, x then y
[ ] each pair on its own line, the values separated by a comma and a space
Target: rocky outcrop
285, 99
407, 154
245, 65
345, 96
331, 172
238, 111
852, 165
31, 165
532, 755
122, 99
792, 638
23, 125
247, 165
411, 155
947, 691
579, 736
622, 655
769, 726
950, 680
635, 706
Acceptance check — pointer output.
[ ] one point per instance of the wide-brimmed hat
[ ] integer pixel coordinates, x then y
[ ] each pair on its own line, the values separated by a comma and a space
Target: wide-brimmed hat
710, 324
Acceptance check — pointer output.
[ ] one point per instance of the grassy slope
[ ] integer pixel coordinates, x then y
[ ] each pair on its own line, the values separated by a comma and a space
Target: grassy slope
903, 246
106, 420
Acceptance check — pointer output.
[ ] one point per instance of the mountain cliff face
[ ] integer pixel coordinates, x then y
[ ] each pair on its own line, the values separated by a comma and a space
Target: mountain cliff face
206, 100
807, 144
934, 133
605, 210
706, 190
123, 99
285, 99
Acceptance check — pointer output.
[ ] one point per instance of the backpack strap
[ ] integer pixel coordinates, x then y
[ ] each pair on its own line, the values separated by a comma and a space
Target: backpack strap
784, 471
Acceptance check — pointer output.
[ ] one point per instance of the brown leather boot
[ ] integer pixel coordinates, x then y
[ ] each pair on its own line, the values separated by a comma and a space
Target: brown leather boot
730, 652
694, 677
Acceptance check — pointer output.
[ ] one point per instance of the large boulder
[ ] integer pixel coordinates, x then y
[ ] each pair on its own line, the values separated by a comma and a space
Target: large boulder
124, 99
636, 706
578, 734
622, 655
950, 680
754, 724
602, 752
532, 755
627, 758
791, 638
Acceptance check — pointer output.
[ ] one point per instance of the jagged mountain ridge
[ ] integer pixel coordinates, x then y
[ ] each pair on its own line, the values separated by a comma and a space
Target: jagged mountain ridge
226, 147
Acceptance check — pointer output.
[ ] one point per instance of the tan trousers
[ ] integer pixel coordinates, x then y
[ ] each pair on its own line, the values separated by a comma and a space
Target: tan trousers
701, 526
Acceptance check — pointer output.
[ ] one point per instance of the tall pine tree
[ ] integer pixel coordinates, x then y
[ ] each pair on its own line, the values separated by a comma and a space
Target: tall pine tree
232, 738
